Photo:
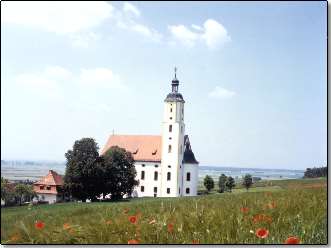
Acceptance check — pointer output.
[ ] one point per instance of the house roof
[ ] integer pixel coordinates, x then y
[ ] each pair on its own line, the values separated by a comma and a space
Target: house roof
146, 148
52, 178
143, 147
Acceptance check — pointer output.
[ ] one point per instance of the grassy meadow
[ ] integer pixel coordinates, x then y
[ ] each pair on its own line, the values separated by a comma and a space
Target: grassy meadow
284, 208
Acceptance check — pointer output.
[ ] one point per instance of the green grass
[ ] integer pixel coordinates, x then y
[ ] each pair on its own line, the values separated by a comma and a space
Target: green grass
301, 210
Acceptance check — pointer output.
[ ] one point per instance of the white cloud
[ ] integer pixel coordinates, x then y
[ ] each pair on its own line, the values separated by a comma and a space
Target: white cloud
213, 34
83, 40
100, 77
130, 8
59, 17
50, 82
221, 93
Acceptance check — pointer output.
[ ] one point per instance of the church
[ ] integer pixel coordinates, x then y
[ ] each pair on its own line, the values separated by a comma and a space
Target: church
165, 164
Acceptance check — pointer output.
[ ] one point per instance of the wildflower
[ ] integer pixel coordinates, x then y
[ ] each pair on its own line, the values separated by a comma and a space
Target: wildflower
170, 227
133, 242
195, 241
292, 240
66, 226
39, 225
153, 221
244, 210
261, 217
251, 231
108, 222
133, 219
262, 233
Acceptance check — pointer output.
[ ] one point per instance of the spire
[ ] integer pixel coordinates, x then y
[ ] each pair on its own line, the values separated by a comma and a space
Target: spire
175, 82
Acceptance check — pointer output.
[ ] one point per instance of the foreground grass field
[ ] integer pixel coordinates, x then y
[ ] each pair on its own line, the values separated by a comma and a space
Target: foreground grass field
283, 208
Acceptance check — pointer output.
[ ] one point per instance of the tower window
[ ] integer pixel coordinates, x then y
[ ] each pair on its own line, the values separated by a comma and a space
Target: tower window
142, 177
156, 166
170, 128
187, 190
169, 148
168, 190
168, 176
142, 188
155, 189
143, 165
170, 109
188, 176
156, 175
169, 166
42, 187
170, 138
170, 118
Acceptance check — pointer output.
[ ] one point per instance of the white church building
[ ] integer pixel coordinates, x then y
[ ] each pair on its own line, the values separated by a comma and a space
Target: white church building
165, 164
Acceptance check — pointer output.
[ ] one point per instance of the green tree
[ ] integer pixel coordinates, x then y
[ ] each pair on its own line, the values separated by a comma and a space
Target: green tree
208, 182
7, 192
82, 175
24, 192
230, 183
221, 183
118, 173
247, 181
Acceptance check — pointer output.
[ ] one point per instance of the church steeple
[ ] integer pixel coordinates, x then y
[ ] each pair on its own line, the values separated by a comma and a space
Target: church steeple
174, 95
175, 83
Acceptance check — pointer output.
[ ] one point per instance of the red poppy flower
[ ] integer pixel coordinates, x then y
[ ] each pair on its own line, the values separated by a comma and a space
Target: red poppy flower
244, 210
39, 225
133, 219
66, 226
292, 240
261, 217
262, 233
195, 241
170, 227
133, 242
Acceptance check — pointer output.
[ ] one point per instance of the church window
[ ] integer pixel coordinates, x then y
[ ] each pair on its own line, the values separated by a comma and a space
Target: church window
170, 109
156, 175
168, 190
188, 176
42, 187
168, 176
169, 166
48, 187
169, 149
142, 188
170, 128
143, 165
155, 189
142, 175
187, 190
170, 118
170, 138
179, 191
156, 166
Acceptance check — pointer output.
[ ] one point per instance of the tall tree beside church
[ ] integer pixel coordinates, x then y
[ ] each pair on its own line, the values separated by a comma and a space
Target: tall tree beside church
208, 182
82, 175
119, 172
221, 183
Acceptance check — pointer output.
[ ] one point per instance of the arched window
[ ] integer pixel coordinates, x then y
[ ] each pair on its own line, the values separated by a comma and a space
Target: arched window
169, 148
187, 190
142, 175
156, 175
170, 128
168, 176
188, 176
168, 190
142, 188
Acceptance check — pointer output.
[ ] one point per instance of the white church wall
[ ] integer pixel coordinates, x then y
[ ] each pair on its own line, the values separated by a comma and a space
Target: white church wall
148, 182
192, 185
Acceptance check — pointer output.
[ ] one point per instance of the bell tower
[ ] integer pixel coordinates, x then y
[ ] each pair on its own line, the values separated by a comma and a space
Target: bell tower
173, 131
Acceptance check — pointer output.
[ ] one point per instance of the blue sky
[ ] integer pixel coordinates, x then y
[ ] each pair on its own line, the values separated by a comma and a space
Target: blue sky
253, 76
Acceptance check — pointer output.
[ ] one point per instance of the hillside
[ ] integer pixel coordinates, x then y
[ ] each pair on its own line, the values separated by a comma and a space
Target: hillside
285, 208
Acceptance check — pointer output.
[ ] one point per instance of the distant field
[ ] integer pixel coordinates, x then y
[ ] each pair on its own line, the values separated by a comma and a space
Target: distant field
290, 208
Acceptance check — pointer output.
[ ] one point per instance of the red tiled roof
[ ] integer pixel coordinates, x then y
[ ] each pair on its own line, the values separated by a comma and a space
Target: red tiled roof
52, 178
143, 147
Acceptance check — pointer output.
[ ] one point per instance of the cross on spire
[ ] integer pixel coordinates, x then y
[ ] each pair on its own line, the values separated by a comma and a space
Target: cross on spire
175, 71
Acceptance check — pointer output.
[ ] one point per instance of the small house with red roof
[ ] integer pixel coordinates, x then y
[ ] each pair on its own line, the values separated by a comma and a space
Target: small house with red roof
50, 187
